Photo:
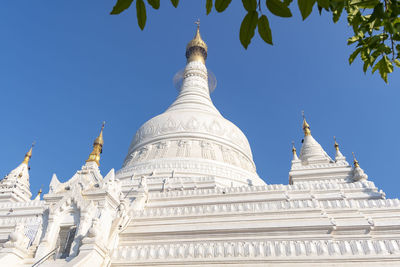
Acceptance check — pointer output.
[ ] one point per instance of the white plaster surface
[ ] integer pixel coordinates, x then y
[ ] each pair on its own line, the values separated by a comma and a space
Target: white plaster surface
188, 194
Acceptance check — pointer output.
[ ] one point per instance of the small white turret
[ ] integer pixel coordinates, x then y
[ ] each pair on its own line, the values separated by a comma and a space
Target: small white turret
311, 150
339, 156
15, 186
294, 151
358, 173
37, 198
315, 165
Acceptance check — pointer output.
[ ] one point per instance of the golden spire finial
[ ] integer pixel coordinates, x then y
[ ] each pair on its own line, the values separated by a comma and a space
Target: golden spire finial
306, 126
28, 155
196, 50
355, 162
197, 22
97, 147
336, 145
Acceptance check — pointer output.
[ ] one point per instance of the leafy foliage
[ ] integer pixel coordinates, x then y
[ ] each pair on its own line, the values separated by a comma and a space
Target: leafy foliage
175, 3
154, 3
120, 6
264, 30
248, 28
375, 24
250, 5
141, 13
209, 5
306, 7
278, 8
221, 5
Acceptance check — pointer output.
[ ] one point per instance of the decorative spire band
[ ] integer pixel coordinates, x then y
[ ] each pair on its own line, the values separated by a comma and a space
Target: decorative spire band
97, 148
196, 49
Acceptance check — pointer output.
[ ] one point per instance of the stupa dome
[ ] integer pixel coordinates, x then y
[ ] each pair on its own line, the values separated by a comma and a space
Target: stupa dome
191, 138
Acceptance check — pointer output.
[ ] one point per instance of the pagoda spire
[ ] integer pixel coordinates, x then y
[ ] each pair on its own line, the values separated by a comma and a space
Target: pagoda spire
38, 194
15, 186
194, 93
306, 126
97, 148
355, 161
358, 173
311, 150
294, 151
196, 49
339, 156
28, 155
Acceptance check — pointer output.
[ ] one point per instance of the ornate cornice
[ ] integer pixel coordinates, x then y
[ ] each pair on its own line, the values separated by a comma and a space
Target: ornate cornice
343, 251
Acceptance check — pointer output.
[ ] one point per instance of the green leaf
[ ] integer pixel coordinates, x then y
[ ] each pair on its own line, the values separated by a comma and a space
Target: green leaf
305, 7
364, 3
248, 27
376, 66
175, 3
338, 11
141, 13
249, 5
209, 5
379, 11
354, 55
352, 40
384, 76
387, 65
397, 62
264, 30
323, 3
120, 6
320, 9
372, 41
154, 3
221, 5
278, 8
384, 66
287, 2
365, 66
374, 56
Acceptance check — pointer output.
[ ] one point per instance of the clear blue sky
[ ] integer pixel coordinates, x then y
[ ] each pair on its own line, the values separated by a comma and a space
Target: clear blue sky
68, 65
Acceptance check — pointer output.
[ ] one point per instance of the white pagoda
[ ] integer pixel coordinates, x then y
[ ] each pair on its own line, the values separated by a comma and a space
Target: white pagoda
188, 194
